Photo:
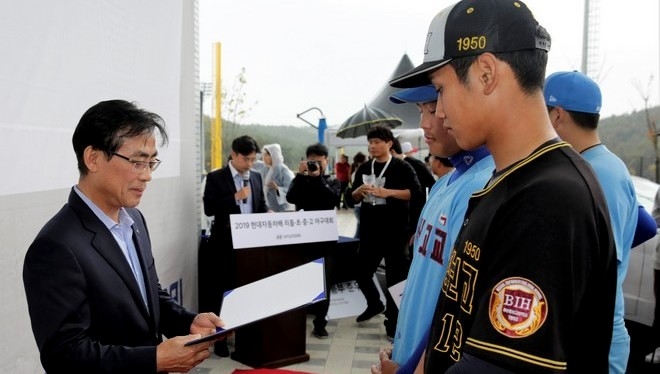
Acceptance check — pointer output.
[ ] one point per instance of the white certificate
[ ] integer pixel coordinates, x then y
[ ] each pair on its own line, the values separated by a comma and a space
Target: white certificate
279, 293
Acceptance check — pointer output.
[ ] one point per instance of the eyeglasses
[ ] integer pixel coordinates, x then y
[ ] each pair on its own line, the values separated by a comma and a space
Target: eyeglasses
140, 166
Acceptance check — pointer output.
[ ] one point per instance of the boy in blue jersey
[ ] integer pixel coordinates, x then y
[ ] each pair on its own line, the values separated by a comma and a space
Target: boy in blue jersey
574, 102
438, 224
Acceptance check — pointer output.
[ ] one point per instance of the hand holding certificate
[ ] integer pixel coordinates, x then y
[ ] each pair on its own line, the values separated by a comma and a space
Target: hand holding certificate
279, 293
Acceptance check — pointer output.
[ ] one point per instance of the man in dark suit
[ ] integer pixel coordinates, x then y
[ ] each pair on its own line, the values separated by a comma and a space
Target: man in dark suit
232, 189
92, 289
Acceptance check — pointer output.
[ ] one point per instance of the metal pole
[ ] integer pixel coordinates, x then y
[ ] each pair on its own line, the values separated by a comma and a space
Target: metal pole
306, 121
657, 159
201, 130
585, 38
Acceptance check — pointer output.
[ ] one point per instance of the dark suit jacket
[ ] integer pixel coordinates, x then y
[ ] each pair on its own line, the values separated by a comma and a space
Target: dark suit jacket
219, 197
85, 306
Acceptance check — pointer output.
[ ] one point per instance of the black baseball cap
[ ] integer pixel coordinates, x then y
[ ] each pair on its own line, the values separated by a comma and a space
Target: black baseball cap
472, 27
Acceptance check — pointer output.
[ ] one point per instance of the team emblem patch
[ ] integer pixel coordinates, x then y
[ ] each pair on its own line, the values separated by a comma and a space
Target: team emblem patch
518, 307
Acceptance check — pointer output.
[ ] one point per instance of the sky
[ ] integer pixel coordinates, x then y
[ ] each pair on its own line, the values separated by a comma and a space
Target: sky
336, 55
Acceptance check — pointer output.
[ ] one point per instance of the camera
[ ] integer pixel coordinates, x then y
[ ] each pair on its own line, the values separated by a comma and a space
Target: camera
312, 166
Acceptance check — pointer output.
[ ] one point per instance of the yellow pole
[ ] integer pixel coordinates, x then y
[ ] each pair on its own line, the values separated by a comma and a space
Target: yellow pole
216, 131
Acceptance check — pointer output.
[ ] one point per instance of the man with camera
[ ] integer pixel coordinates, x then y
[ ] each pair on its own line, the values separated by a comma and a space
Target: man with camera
312, 189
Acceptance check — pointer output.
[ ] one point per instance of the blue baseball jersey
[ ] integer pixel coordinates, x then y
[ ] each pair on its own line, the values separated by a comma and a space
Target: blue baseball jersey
437, 227
622, 204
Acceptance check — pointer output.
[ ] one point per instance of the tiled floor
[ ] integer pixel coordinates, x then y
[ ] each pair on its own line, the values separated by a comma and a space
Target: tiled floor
350, 349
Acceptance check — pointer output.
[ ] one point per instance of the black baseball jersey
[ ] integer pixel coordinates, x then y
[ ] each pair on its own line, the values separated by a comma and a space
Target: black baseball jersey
531, 281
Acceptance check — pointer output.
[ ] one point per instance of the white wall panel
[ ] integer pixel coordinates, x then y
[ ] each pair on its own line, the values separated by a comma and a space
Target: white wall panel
58, 59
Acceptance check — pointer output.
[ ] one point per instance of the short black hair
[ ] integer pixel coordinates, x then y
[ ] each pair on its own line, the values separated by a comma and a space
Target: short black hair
396, 146
584, 120
382, 133
244, 145
359, 157
317, 149
107, 124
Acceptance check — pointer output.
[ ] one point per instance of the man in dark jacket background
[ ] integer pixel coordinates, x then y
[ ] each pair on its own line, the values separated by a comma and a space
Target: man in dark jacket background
312, 189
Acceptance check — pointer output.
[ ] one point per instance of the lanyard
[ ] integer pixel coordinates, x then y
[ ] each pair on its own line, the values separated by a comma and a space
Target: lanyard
384, 168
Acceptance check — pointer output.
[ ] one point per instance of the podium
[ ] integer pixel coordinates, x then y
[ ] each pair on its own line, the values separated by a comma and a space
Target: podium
267, 244
279, 340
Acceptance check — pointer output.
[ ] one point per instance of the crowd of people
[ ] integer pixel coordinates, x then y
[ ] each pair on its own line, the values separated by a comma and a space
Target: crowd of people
513, 235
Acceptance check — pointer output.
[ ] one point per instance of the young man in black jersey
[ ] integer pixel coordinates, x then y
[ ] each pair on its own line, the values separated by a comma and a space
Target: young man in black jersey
531, 280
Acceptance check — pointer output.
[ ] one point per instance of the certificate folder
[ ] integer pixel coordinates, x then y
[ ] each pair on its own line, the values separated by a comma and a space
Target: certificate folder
279, 293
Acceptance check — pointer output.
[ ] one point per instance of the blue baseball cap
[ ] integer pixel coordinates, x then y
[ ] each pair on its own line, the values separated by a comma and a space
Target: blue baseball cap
574, 91
423, 94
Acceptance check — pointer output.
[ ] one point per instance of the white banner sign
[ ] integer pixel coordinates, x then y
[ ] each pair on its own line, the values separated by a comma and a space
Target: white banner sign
272, 229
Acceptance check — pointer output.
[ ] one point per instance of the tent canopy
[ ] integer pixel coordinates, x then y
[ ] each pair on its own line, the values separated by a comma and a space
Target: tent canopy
407, 112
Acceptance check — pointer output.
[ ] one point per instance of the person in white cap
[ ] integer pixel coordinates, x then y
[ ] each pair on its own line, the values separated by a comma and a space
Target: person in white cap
574, 101
440, 166
407, 149
531, 280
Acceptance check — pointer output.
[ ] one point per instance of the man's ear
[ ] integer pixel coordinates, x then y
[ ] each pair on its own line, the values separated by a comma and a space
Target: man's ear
486, 68
92, 157
557, 117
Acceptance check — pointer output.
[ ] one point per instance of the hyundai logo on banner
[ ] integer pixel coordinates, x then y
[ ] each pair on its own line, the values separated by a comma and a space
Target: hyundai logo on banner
176, 291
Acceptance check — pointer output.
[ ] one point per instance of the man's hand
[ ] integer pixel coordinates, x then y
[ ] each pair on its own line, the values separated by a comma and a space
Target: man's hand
365, 189
173, 356
205, 324
381, 192
387, 366
243, 193
304, 169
